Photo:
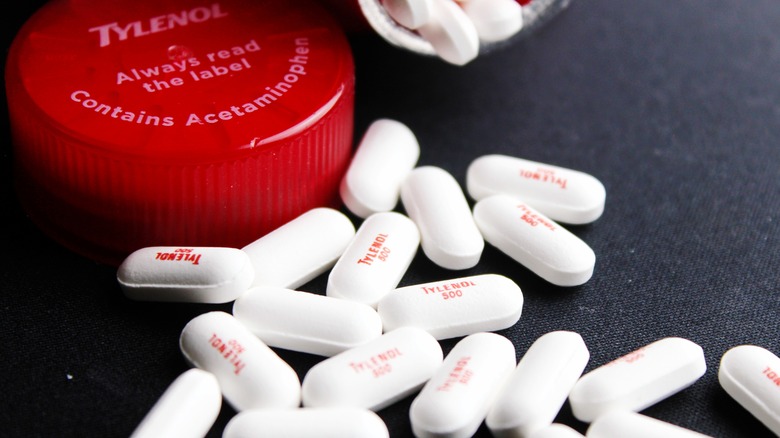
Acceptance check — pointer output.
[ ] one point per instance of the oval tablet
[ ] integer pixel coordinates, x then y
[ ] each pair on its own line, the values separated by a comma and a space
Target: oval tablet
376, 374
556, 430
538, 387
638, 379
306, 322
621, 424
751, 375
535, 241
408, 13
250, 374
185, 274
454, 402
451, 33
564, 195
456, 307
187, 408
300, 250
386, 154
435, 202
495, 20
336, 422
376, 259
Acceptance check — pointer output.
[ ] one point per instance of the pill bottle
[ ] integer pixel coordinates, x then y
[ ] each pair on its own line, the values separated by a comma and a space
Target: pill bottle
373, 15
177, 122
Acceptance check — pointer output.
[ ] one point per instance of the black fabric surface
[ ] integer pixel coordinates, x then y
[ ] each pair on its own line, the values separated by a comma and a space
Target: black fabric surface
674, 106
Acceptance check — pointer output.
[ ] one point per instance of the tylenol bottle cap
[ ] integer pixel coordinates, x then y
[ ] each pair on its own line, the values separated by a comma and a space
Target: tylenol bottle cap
173, 122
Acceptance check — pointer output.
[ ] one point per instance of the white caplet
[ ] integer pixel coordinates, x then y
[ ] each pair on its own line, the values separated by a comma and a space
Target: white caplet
330, 422
386, 154
250, 374
376, 374
534, 240
377, 258
451, 33
495, 20
638, 379
564, 195
621, 424
538, 387
449, 236
300, 250
209, 275
408, 13
751, 375
456, 399
306, 322
556, 430
187, 408
454, 307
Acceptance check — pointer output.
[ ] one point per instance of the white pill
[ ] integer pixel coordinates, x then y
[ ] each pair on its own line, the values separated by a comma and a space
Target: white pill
185, 274
336, 422
638, 379
621, 424
300, 250
435, 202
455, 307
556, 430
539, 385
408, 13
250, 374
534, 240
451, 33
187, 408
376, 259
564, 195
454, 402
751, 375
386, 154
376, 374
495, 20
306, 322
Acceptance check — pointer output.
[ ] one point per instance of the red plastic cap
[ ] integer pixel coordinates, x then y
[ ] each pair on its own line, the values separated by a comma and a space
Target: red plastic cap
177, 122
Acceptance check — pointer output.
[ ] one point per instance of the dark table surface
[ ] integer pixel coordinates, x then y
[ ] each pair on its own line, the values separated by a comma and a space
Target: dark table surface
674, 106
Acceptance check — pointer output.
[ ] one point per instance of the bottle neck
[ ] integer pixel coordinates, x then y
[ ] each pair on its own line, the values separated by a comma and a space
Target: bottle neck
535, 14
